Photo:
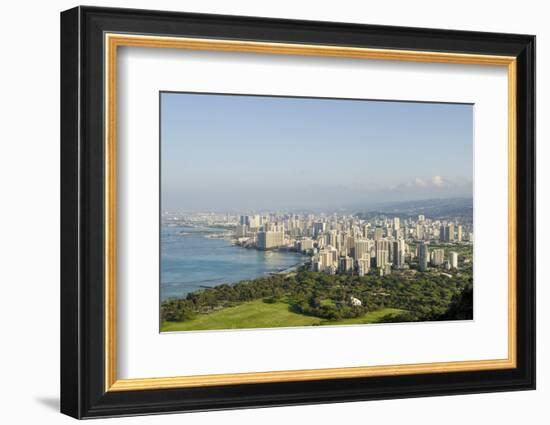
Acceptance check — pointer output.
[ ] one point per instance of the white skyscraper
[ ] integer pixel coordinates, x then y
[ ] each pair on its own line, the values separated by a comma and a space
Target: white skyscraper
398, 253
419, 232
438, 256
396, 223
361, 249
453, 259
272, 236
451, 232
363, 266
333, 238
382, 252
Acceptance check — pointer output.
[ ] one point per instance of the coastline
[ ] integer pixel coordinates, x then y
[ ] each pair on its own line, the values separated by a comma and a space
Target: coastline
195, 258
271, 286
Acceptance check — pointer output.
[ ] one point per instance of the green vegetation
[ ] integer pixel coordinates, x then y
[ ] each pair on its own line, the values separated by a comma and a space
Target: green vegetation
258, 314
307, 298
254, 314
379, 316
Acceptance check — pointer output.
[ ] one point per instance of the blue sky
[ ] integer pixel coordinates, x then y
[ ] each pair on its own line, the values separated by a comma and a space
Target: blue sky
258, 153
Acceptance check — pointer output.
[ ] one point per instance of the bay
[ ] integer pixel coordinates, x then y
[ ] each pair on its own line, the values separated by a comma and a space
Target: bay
191, 261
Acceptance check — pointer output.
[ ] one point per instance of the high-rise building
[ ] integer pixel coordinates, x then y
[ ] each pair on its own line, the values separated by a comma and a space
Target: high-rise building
361, 249
366, 228
438, 257
326, 259
423, 256
345, 265
316, 264
240, 230
382, 247
453, 259
350, 244
396, 223
294, 222
447, 233
398, 251
421, 217
333, 253
363, 266
459, 233
451, 232
378, 233
268, 239
398, 233
318, 227
252, 221
333, 237
419, 232
273, 227
306, 244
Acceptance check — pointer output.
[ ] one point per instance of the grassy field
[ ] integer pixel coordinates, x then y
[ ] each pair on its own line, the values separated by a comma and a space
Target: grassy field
370, 317
257, 314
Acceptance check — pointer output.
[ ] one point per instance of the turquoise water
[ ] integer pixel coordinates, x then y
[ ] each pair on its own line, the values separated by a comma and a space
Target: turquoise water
191, 261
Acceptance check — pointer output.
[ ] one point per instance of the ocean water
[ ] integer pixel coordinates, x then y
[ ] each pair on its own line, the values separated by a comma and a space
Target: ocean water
191, 261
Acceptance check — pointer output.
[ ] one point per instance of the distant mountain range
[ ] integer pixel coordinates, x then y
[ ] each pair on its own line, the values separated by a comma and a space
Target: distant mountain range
431, 208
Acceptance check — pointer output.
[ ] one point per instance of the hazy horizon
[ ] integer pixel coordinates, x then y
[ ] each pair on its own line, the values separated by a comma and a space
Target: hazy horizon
252, 153
351, 209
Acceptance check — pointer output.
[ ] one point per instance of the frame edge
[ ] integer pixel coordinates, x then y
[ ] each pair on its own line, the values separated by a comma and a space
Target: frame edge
70, 349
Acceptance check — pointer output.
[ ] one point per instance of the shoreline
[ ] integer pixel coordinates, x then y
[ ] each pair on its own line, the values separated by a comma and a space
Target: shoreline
200, 232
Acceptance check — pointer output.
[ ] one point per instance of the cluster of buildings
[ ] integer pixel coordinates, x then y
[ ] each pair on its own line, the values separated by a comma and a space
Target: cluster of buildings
348, 244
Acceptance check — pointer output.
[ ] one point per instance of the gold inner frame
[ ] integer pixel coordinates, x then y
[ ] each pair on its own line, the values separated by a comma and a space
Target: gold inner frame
113, 41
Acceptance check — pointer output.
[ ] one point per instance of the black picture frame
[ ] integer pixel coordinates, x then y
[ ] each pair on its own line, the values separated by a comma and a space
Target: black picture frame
83, 392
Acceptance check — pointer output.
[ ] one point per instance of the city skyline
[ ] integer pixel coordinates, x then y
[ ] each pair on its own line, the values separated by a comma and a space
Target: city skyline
328, 269
341, 243
254, 153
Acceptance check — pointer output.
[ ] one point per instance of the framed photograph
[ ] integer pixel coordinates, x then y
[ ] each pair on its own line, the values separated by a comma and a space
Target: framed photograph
261, 212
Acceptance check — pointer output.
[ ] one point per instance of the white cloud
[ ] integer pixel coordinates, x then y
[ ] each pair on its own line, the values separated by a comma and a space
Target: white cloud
438, 181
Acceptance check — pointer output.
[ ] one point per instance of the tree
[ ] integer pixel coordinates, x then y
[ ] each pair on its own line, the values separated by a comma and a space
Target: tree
461, 306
